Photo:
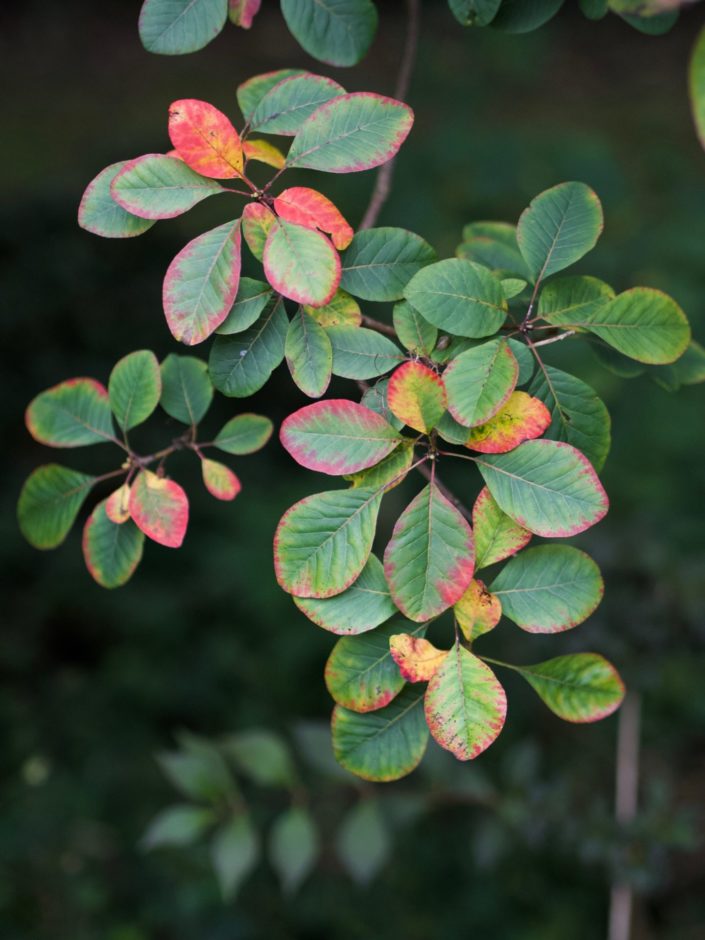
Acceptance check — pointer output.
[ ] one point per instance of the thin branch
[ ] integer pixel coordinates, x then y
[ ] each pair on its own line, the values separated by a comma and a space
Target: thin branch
379, 327
555, 339
383, 183
449, 495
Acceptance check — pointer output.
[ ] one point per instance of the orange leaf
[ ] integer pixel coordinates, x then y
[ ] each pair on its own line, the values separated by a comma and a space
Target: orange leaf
205, 139
117, 505
477, 611
159, 507
522, 418
417, 659
417, 396
309, 208
220, 480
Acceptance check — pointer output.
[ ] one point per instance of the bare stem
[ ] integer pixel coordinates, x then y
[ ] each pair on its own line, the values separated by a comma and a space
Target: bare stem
383, 183
379, 327
555, 339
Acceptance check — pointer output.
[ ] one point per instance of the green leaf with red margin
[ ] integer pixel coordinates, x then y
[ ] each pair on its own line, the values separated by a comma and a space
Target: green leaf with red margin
219, 480
242, 12
342, 310
389, 472
287, 104
478, 611
361, 674
479, 382
417, 396
301, 263
384, 745
261, 151
74, 413
205, 139
497, 535
359, 353
548, 487
549, 589
416, 334
251, 92
338, 32
117, 505
159, 507
159, 187
112, 551
581, 687
257, 220
134, 388
323, 542
100, 214
350, 133
521, 418
459, 296
174, 27
430, 558
308, 207
251, 300
380, 262
49, 503
337, 437
416, 658
566, 299
309, 354
465, 705
241, 364
560, 226
187, 390
363, 606
244, 434
201, 283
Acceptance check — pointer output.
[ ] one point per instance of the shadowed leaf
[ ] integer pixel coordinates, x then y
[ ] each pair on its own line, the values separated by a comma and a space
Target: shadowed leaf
309, 354
416, 334
100, 214
49, 503
112, 551
287, 104
293, 847
241, 364
359, 353
338, 32
235, 851
177, 826
250, 301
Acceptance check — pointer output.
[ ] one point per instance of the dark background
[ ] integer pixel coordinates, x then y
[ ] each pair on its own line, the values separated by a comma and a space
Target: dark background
93, 682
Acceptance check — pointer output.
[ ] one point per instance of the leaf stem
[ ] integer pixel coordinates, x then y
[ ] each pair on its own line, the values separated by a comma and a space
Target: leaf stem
379, 327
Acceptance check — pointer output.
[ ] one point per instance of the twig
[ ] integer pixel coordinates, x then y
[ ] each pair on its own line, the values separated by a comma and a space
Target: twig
383, 183
379, 327
449, 495
555, 339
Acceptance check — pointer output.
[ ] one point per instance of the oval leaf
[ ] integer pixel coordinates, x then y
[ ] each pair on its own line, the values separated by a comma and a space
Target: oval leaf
380, 262
359, 353
497, 535
521, 418
287, 104
478, 611
219, 480
159, 508
187, 390
134, 388
49, 503
480, 381
205, 139
241, 364
112, 551
174, 27
581, 687
160, 187
100, 214
301, 264
245, 434
74, 413
251, 300
293, 847
417, 396
338, 32
309, 354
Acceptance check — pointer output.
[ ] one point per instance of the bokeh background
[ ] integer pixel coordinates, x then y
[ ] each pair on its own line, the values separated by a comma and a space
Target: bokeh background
521, 844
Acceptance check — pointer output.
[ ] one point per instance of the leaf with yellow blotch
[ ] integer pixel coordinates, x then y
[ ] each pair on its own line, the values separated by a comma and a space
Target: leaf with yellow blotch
205, 139
477, 611
256, 222
497, 536
263, 152
417, 658
521, 418
342, 310
417, 396
220, 480
312, 209
159, 507
117, 505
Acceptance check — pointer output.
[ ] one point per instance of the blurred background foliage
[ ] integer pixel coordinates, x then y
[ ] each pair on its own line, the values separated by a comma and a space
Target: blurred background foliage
519, 845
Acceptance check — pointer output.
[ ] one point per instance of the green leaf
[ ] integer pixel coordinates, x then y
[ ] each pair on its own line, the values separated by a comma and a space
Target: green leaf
525, 358
244, 434
474, 12
389, 472
337, 437
430, 557
497, 536
616, 363
322, 542
177, 826
380, 262
363, 606
284, 108
696, 85
301, 263
251, 92
338, 32
641, 323
579, 416
384, 745
560, 226
361, 674
263, 756
523, 16
465, 705
416, 334
187, 390
479, 381
567, 299
159, 187
201, 283
134, 388
100, 214
548, 487
549, 589
241, 364
375, 398
458, 296
293, 847
580, 687
363, 843
309, 354
174, 27
252, 298
359, 353
198, 770
75, 413
594, 9
49, 503
351, 133
494, 245
343, 310
235, 851
112, 552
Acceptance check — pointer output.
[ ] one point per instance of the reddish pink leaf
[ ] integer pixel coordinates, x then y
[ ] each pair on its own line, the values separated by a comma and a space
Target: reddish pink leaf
159, 507
220, 480
417, 658
257, 220
205, 139
521, 418
242, 12
117, 505
309, 208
